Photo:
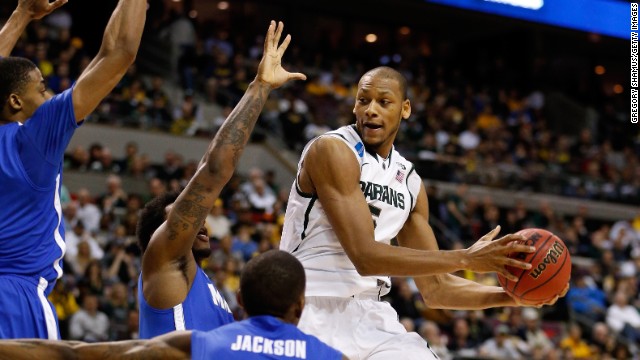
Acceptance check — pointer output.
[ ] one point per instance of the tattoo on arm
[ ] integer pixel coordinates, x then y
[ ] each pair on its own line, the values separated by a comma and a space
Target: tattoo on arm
189, 210
234, 133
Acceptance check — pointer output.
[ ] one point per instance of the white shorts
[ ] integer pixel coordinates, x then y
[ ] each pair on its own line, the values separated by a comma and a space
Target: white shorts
362, 329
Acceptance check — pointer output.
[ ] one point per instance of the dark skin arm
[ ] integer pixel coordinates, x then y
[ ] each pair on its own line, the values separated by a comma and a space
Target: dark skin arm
165, 283
26, 11
118, 51
331, 171
446, 291
172, 346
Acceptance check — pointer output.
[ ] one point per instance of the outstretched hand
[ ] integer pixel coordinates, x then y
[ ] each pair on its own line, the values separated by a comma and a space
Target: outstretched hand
37, 9
488, 255
270, 70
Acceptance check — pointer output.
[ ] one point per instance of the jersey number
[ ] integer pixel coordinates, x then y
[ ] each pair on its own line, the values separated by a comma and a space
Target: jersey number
375, 214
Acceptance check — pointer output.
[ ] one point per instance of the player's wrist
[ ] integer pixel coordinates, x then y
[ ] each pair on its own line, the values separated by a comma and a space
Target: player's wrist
260, 84
21, 16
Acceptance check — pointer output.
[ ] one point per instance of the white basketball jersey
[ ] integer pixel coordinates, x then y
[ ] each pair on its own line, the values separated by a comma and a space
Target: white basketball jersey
390, 187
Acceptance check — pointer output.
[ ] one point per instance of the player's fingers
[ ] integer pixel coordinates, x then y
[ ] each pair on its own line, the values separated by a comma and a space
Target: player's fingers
56, 4
520, 248
518, 264
510, 238
507, 274
276, 38
297, 76
492, 234
269, 39
285, 44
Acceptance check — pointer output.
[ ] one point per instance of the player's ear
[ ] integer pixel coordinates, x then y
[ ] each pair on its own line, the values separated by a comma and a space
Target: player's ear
406, 109
15, 103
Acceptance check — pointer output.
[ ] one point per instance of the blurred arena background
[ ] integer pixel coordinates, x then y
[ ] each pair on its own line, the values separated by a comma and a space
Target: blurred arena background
520, 119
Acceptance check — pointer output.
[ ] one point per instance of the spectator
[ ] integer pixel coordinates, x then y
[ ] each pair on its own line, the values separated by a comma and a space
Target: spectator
218, 225
89, 324
242, 243
587, 301
537, 340
65, 305
575, 343
623, 318
88, 212
502, 345
430, 331
77, 236
80, 261
117, 310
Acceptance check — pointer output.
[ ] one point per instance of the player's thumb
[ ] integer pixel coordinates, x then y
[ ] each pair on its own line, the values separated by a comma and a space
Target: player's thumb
492, 234
297, 76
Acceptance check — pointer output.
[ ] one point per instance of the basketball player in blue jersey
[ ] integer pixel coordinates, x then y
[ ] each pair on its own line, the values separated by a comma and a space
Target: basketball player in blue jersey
174, 293
35, 128
272, 293
349, 177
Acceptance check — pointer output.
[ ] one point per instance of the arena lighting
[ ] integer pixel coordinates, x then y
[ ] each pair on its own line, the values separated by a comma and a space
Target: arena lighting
527, 4
223, 5
600, 70
405, 30
371, 38
618, 89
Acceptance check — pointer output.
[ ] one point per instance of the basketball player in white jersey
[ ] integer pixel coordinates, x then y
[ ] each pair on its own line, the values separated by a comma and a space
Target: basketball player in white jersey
349, 177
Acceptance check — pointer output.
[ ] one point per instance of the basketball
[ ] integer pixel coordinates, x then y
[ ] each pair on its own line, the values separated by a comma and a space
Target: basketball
550, 268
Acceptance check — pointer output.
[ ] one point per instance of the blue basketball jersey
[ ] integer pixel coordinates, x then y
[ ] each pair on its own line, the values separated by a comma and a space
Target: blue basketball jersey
257, 338
203, 309
31, 226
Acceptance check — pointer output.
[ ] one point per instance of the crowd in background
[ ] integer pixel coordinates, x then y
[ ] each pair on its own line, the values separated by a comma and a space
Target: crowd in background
494, 135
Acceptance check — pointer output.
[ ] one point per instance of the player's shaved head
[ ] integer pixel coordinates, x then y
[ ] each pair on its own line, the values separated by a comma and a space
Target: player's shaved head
271, 283
386, 72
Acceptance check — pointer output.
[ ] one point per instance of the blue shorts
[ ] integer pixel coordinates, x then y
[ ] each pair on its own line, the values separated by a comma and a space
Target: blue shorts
25, 311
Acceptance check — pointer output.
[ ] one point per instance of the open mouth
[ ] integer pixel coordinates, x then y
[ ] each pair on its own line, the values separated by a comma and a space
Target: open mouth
203, 234
372, 126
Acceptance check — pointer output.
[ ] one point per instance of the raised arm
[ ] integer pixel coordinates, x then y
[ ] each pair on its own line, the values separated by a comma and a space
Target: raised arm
26, 11
117, 52
174, 239
173, 346
334, 173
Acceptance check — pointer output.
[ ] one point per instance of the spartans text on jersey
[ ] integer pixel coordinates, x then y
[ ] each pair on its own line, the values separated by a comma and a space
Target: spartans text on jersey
383, 193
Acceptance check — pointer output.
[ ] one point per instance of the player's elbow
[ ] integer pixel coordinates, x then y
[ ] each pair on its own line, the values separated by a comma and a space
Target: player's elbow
365, 263
430, 291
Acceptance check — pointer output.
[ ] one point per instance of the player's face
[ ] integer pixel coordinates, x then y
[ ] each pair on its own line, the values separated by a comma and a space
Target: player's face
380, 105
34, 95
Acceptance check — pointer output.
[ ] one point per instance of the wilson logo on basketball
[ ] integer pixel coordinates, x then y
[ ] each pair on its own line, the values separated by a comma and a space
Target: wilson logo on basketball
551, 258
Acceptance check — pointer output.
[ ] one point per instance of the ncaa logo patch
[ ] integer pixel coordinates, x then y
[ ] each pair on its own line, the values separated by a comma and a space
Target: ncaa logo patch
360, 149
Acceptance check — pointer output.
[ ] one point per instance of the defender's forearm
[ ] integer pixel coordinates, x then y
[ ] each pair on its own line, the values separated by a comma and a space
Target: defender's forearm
125, 27
228, 144
37, 349
12, 30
